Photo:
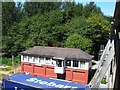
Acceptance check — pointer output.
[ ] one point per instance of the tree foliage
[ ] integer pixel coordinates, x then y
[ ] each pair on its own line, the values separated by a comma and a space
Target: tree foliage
64, 24
91, 8
32, 8
8, 15
79, 41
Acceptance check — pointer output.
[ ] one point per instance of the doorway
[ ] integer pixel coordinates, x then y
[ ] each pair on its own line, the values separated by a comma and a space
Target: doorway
60, 63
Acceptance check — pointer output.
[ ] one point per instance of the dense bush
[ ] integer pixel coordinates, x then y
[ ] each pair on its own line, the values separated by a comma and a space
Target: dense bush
9, 62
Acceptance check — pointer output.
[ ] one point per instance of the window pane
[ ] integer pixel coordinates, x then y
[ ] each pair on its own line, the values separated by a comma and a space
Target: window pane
68, 63
82, 64
75, 63
24, 57
41, 60
48, 61
59, 63
35, 59
53, 62
29, 58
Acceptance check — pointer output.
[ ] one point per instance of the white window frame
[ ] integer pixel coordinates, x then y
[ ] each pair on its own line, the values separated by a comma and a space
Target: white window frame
24, 57
53, 62
82, 66
48, 61
71, 61
78, 64
29, 57
36, 59
42, 60
61, 63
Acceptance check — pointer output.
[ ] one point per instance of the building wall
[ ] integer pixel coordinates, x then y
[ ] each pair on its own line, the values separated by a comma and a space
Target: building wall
50, 62
78, 75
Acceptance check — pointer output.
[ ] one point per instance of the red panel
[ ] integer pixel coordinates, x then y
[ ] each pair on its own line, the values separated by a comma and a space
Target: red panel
27, 68
39, 70
80, 76
68, 74
50, 72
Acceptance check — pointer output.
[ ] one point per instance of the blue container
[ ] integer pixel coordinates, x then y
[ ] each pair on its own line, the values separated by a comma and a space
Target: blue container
28, 82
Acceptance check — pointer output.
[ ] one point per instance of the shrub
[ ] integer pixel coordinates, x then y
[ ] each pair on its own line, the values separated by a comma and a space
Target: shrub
103, 81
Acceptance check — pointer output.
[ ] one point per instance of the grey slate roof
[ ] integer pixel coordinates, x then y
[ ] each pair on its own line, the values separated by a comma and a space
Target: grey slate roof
58, 52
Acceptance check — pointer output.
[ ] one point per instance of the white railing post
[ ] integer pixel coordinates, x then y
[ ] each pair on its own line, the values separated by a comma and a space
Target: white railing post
104, 64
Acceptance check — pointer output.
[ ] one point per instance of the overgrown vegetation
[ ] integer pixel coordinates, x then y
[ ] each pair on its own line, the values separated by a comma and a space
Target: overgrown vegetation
8, 61
6, 69
103, 81
3, 75
64, 24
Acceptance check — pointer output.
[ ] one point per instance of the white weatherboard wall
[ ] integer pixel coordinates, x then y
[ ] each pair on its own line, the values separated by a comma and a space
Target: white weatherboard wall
30, 59
59, 70
36, 60
24, 58
21, 58
86, 67
39, 60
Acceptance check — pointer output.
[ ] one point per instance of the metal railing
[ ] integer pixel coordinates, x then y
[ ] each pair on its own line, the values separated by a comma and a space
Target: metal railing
105, 61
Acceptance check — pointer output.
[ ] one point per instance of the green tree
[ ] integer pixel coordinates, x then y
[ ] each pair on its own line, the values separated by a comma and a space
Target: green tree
53, 26
100, 29
11, 13
8, 15
59, 34
32, 8
95, 27
79, 41
36, 30
91, 8
19, 12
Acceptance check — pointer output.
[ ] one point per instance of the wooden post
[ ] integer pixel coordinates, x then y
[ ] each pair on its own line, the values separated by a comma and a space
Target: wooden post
13, 64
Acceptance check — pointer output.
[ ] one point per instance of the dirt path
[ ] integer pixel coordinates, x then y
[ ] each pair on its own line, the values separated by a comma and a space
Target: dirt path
16, 70
4, 72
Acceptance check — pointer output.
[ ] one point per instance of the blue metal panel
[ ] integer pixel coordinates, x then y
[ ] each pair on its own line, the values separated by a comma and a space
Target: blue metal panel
27, 81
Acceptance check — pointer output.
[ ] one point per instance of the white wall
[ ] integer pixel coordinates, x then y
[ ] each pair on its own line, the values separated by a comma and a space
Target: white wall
36, 59
30, 59
39, 60
85, 67
23, 59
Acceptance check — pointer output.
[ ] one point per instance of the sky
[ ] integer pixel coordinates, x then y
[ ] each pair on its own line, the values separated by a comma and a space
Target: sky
107, 6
